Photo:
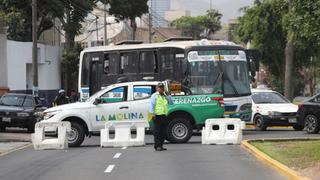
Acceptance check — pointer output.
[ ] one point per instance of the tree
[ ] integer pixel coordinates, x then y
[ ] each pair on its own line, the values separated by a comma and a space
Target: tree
129, 9
262, 26
17, 16
190, 26
211, 22
75, 12
287, 40
199, 26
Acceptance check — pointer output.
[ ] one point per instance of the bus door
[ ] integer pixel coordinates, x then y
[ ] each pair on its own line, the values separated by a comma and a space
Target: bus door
95, 72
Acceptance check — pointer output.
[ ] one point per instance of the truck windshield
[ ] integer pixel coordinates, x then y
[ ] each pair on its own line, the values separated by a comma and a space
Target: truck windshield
211, 73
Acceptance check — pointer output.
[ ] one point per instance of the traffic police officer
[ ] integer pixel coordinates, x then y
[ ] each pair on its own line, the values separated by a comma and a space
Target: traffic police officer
159, 110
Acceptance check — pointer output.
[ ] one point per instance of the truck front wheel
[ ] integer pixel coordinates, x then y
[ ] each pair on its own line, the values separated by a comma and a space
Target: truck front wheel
179, 130
76, 135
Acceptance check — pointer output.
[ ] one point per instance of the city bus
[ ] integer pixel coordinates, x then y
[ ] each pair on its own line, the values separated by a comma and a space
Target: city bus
201, 66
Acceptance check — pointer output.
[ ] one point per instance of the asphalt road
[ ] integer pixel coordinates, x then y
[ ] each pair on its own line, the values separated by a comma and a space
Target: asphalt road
181, 161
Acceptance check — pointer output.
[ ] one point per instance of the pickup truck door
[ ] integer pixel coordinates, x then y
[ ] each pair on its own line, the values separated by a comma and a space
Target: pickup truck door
114, 106
140, 103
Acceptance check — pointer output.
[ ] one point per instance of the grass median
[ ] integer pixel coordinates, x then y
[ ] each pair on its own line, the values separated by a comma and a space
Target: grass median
300, 155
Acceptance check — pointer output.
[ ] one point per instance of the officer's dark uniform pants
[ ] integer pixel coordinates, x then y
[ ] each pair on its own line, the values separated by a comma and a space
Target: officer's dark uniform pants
159, 130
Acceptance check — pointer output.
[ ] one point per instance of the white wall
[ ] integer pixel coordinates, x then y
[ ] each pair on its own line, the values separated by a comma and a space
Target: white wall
20, 53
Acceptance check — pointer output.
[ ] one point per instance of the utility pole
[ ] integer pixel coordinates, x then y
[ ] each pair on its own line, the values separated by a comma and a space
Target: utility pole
97, 30
210, 4
105, 24
34, 48
150, 22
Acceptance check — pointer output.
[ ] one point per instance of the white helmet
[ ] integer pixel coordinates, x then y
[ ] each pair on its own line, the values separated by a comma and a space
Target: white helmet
61, 91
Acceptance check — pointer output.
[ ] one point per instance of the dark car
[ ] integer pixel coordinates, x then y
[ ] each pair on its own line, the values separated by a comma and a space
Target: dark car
20, 110
309, 114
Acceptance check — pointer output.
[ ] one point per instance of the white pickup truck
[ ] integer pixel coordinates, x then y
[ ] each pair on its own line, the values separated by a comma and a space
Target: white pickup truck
131, 101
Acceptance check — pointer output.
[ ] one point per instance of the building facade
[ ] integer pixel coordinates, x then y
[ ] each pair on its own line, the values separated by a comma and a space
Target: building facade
158, 8
16, 68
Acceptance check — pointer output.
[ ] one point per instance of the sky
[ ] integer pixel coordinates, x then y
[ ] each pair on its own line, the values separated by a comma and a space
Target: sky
229, 8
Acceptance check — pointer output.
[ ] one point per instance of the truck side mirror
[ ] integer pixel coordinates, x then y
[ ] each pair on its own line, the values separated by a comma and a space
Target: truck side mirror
97, 101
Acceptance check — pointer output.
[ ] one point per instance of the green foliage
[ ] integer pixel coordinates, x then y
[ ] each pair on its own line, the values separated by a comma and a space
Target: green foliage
266, 25
199, 26
262, 25
305, 22
211, 21
190, 26
129, 9
74, 15
17, 15
70, 59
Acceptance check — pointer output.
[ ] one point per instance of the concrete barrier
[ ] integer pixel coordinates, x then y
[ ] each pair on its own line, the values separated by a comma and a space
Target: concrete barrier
41, 142
122, 133
222, 131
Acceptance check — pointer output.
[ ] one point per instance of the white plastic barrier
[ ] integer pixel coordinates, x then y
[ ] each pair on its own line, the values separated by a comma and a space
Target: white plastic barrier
222, 131
122, 133
39, 140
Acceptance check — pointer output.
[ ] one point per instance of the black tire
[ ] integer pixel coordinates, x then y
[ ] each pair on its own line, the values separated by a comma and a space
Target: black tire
76, 135
259, 123
312, 124
297, 127
31, 127
179, 130
2, 128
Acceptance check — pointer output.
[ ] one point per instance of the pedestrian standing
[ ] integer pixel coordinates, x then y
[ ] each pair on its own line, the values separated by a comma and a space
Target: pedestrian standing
73, 96
60, 99
159, 110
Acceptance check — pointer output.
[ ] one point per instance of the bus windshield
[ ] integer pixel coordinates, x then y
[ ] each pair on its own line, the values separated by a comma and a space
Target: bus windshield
214, 73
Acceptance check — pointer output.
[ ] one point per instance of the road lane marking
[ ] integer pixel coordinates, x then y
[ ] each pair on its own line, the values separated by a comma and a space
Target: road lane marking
124, 148
109, 168
117, 155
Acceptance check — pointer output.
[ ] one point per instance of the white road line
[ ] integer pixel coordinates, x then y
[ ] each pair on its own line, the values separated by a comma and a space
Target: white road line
109, 168
117, 155
124, 148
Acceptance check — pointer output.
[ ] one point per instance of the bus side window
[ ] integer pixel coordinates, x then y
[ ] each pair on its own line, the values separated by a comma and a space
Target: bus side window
148, 62
128, 62
110, 63
167, 59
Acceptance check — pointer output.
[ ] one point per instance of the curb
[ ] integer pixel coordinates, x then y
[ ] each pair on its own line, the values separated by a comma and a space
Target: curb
15, 149
272, 162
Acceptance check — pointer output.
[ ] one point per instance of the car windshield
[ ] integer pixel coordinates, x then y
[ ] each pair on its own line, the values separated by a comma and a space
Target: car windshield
94, 95
268, 98
12, 100
208, 74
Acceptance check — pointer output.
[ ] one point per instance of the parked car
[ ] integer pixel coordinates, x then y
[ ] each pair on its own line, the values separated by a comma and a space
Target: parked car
309, 114
20, 110
270, 108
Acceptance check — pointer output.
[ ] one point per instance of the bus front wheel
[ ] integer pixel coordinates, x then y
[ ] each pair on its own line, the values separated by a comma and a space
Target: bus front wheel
179, 130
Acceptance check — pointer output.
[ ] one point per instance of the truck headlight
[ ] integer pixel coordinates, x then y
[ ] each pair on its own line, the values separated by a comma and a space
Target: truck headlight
274, 113
23, 114
50, 114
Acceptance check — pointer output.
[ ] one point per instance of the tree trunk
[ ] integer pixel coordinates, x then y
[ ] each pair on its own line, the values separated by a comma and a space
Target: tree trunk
133, 25
288, 70
289, 62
